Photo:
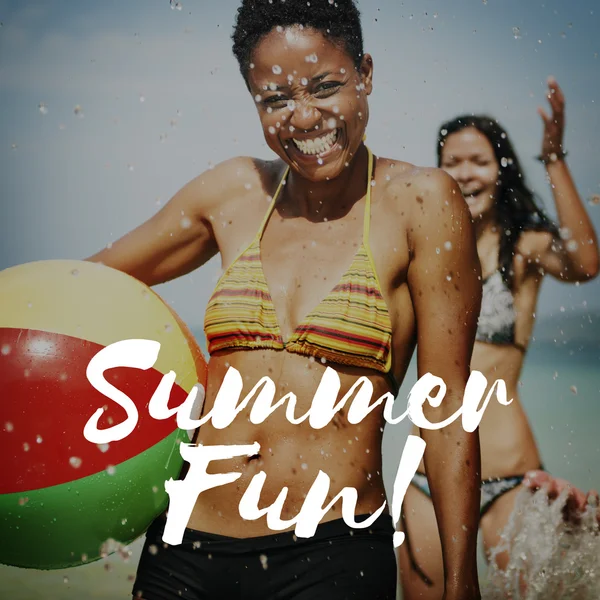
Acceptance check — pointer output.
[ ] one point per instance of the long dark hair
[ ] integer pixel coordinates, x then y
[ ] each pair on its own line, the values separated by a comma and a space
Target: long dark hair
516, 206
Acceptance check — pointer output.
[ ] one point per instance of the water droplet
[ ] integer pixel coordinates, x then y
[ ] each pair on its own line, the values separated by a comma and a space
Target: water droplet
65, 579
142, 98
573, 389
38, 439
111, 470
448, 245
43, 108
304, 466
572, 245
263, 561
23, 501
175, 5
75, 462
272, 130
516, 33
257, 98
185, 223
277, 69
103, 447
565, 233
8, 426
595, 200
78, 111
311, 58
503, 162
320, 160
5, 350
26, 447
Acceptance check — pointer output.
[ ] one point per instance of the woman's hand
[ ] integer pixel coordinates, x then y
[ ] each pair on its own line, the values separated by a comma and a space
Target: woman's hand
576, 502
554, 125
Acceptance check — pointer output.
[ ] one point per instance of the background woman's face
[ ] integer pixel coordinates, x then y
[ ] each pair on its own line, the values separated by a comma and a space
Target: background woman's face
469, 158
311, 100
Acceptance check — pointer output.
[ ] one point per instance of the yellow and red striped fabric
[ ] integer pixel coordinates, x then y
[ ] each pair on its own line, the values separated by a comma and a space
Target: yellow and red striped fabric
351, 326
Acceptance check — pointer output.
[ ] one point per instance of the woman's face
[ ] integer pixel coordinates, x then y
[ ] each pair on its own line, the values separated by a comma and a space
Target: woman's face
311, 100
469, 158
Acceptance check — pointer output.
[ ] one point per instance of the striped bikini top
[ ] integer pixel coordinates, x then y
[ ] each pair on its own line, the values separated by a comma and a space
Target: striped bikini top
350, 326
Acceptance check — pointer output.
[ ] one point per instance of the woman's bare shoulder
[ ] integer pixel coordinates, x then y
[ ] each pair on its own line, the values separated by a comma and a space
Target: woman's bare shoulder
229, 185
428, 192
533, 243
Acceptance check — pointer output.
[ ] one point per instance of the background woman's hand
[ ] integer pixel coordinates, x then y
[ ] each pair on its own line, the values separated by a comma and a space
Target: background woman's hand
554, 124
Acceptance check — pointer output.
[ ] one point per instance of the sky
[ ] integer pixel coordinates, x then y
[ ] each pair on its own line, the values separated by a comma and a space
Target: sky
108, 108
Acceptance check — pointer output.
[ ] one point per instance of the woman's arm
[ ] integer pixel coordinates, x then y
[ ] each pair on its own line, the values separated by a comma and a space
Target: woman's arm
576, 257
177, 239
445, 286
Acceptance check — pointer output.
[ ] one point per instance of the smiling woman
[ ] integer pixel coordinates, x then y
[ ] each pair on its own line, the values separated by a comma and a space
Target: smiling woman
307, 285
518, 245
317, 137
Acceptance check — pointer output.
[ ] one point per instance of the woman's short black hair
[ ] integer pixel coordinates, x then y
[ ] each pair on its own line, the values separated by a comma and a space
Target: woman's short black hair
516, 206
338, 20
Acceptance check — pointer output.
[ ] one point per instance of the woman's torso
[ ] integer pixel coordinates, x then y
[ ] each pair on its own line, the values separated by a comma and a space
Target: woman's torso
302, 261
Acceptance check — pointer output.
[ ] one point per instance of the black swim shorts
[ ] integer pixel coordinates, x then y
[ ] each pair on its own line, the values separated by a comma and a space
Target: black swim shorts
338, 562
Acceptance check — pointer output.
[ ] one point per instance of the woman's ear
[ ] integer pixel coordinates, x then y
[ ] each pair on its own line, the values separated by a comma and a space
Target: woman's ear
366, 73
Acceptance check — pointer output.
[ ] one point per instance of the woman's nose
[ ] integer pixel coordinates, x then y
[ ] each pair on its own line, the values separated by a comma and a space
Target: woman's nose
463, 173
304, 116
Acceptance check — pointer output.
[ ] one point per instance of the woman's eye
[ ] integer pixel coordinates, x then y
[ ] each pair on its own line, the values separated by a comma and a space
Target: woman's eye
327, 88
276, 101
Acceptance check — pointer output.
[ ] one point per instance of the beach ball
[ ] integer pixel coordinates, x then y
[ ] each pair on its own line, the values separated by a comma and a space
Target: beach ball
64, 500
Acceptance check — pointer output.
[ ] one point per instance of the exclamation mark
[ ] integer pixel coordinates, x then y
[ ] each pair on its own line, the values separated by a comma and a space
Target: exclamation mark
409, 463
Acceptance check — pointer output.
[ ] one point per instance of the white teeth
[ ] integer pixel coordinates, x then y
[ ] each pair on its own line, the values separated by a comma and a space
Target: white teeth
317, 145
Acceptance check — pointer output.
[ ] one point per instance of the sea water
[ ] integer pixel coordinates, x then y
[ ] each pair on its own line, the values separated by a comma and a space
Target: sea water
549, 557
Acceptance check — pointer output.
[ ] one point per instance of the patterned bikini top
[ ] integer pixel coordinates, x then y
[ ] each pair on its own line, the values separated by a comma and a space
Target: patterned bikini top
350, 326
496, 324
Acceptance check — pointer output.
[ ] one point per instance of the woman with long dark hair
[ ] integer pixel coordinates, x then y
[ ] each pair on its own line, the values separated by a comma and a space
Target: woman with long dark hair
517, 246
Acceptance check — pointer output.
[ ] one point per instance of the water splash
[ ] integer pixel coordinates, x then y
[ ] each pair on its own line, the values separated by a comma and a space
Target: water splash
548, 557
